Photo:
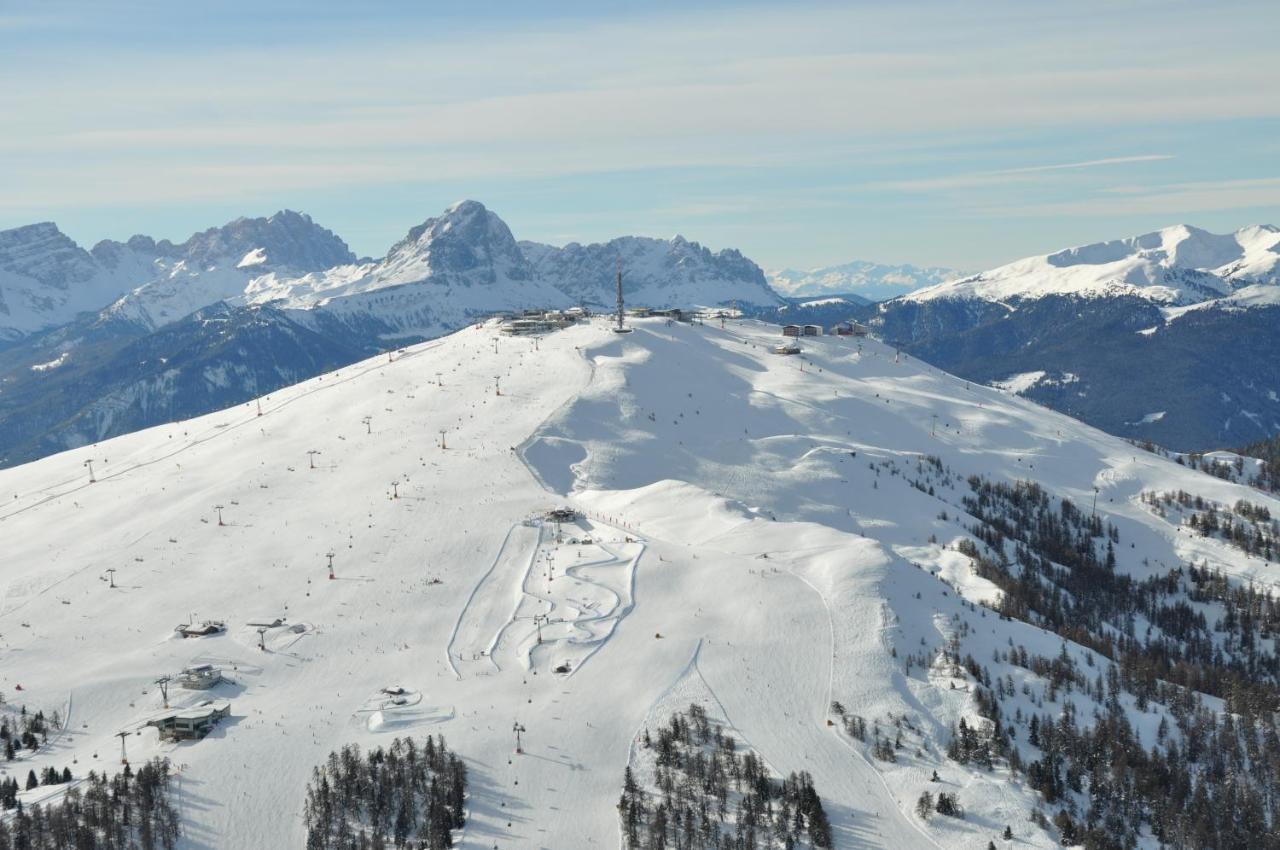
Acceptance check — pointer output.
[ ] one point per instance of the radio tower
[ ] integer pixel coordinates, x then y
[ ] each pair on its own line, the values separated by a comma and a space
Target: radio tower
620, 329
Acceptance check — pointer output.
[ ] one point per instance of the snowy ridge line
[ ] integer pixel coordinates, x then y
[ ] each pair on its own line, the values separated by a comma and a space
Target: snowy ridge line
214, 432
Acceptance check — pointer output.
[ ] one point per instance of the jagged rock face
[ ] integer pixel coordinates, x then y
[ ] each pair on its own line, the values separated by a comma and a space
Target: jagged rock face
657, 273
47, 280
287, 240
45, 254
468, 244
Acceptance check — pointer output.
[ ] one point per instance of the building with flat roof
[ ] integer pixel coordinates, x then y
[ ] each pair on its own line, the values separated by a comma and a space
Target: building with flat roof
199, 678
190, 724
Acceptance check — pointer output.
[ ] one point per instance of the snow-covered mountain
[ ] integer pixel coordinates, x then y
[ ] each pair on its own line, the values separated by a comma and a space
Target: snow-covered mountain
445, 272
220, 264
861, 568
873, 281
1171, 337
148, 332
657, 273
1176, 265
46, 280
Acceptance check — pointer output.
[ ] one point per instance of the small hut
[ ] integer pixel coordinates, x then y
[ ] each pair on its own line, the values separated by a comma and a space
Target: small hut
204, 628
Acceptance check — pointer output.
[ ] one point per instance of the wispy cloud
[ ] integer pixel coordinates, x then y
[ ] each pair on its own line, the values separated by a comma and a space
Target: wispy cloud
1014, 175
862, 105
1172, 201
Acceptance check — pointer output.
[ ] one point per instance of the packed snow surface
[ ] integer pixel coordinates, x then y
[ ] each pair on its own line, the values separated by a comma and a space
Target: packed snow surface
747, 538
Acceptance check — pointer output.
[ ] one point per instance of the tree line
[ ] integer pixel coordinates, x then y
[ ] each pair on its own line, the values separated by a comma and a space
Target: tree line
1211, 778
127, 811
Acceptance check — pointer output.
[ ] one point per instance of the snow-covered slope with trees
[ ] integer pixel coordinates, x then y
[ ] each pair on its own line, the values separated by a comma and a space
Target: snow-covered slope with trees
1180, 321
801, 546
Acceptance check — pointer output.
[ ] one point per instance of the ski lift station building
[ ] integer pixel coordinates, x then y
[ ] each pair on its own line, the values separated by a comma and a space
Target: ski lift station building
190, 724
199, 678
562, 514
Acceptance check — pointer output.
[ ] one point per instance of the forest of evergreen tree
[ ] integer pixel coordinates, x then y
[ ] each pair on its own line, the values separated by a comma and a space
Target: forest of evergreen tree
709, 795
1209, 781
127, 811
408, 795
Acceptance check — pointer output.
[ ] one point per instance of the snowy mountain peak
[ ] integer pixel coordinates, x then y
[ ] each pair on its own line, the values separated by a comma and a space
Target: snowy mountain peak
287, 239
44, 253
1180, 264
659, 273
468, 244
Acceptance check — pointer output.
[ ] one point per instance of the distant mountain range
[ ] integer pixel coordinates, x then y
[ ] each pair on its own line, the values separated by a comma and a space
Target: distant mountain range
1172, 336
130, 334
1169, 337
872, 281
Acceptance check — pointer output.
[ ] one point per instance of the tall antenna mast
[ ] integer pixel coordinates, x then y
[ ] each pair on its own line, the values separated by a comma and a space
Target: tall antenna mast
620, 329
620, 306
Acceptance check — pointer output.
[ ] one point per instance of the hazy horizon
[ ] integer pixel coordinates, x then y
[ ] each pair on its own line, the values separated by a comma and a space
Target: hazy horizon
806, 137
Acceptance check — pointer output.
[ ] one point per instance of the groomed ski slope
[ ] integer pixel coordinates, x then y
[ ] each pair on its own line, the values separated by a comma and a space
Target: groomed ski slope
744, 549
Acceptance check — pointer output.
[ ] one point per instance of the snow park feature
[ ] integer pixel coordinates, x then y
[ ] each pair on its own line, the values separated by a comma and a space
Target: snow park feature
872, 576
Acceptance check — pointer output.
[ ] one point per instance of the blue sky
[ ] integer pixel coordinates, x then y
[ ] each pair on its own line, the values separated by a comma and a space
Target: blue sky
805, 134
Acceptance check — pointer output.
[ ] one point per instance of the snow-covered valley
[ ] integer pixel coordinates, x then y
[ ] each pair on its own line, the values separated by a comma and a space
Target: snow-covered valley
767, 536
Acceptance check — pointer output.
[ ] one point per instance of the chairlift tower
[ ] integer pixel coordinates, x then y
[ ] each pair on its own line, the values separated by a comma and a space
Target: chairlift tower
311, 453
620, 328
89, 463
329, 555
163, 682
368, 424
124, 757
111, 577
218, 508
518, 728
262, 641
